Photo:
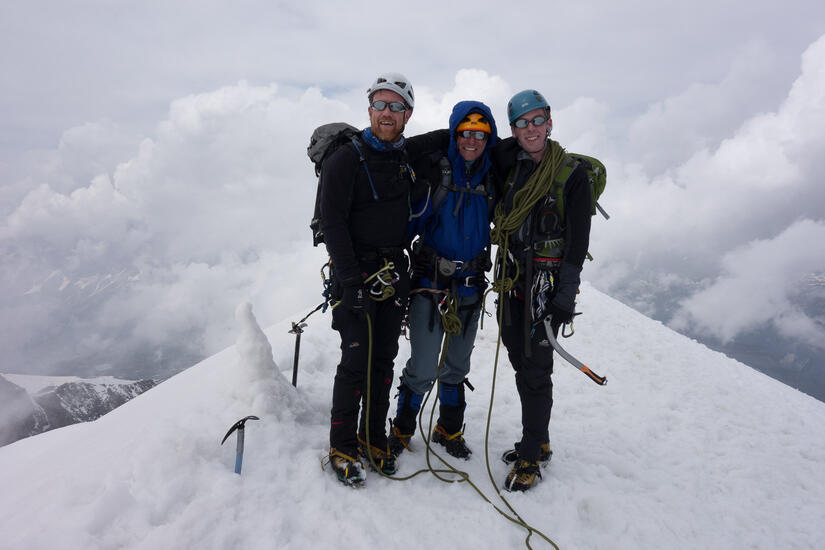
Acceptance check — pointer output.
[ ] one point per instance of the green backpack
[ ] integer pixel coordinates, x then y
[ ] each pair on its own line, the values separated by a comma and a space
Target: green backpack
597, 177
596, 174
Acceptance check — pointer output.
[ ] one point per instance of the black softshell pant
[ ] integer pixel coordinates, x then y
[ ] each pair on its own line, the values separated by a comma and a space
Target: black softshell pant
533, 377
349, 393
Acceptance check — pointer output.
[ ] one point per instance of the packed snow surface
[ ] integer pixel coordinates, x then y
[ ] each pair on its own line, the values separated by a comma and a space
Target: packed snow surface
682, 449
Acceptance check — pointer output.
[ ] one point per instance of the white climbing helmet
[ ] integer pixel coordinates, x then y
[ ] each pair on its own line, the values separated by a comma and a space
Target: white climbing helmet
395, 82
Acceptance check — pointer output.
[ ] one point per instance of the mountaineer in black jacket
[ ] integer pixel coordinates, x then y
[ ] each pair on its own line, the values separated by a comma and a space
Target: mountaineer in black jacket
548, 244
365, 191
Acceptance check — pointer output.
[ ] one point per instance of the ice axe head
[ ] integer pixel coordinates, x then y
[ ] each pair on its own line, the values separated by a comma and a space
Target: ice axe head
298, 328
239, 425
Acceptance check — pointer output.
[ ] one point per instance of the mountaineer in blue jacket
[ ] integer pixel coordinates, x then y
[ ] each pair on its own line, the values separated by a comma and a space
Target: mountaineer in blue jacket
450, 257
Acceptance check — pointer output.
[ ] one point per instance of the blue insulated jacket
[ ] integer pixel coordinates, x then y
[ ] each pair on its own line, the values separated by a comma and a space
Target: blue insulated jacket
460, 233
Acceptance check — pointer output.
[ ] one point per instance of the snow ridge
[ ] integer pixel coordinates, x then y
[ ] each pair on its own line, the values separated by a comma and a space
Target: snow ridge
683, 449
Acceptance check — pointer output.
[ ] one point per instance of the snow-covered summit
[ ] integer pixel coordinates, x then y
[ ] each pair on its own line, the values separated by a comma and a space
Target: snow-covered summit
684, 448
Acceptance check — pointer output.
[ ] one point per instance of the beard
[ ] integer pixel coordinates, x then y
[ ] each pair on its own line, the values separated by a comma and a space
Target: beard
386, 133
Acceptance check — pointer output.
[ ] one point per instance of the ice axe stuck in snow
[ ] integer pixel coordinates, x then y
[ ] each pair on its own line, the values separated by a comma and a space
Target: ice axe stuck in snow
297, 330
239, 425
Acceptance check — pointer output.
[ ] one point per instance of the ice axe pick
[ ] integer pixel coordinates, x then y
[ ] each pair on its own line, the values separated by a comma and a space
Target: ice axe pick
239, 426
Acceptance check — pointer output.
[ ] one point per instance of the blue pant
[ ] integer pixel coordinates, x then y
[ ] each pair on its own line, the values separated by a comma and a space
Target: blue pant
422, 367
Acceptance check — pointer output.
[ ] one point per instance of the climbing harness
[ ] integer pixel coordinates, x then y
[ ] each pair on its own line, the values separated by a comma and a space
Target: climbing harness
381, 287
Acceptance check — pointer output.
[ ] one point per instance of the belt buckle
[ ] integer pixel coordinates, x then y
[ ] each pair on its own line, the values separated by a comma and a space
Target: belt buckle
447, 267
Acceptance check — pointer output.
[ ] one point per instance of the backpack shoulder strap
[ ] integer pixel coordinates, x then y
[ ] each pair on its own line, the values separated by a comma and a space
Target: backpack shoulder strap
445, 182
355, 143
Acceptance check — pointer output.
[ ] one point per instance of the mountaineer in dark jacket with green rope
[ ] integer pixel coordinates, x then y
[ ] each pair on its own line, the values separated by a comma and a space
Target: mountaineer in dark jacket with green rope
364, 201
449, 259
543, 234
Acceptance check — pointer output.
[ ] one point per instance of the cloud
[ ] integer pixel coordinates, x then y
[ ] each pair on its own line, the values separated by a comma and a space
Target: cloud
582, 127
700, 218
756, 287
433, 108
134, 250
702, 115
155, 254
142, 267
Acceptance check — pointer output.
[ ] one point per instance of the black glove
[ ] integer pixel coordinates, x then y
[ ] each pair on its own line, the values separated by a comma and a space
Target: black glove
563, 304
559, 314
356, 298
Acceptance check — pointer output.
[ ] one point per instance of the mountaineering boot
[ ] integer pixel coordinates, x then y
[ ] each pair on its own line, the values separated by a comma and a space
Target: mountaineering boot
349, 470
544, 454
403, 427
523, 476
454, 443
384, 460
398, 441
448, 430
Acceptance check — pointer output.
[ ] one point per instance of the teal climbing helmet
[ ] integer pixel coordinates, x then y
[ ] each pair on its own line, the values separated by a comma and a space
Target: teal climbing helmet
524, 102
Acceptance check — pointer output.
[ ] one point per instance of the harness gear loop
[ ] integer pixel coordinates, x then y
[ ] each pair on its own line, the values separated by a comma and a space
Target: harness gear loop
382, 287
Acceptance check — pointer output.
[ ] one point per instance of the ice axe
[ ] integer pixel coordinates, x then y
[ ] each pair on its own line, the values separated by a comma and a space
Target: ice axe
569, 358
297, 330
239, 425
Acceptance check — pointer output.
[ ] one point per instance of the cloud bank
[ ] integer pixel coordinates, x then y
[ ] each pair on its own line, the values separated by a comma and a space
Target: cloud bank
742, 221
128, 254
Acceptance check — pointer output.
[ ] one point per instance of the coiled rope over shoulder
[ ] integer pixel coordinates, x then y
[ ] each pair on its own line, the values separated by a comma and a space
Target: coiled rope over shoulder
536, 188
505, 224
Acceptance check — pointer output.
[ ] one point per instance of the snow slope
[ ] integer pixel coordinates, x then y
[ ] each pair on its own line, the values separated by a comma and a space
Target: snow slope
683, 449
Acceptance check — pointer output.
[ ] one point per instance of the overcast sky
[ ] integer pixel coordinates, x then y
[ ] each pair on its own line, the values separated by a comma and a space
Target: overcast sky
153, 171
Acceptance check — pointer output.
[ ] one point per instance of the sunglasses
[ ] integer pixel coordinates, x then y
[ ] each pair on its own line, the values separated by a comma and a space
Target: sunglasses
523, 122
395, 106
478, 134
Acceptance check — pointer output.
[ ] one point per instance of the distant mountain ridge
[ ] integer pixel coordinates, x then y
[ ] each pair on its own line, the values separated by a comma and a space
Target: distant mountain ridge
30, 405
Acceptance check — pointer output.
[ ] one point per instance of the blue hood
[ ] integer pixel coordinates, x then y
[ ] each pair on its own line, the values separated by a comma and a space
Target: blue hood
461, 110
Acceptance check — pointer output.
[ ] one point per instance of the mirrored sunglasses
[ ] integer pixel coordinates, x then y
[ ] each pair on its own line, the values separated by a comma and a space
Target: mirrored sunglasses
523, 122
395, 106
478, 134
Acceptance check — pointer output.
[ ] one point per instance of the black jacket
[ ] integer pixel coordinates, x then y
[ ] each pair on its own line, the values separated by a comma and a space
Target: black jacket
354, 220
362, 214
507, 156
